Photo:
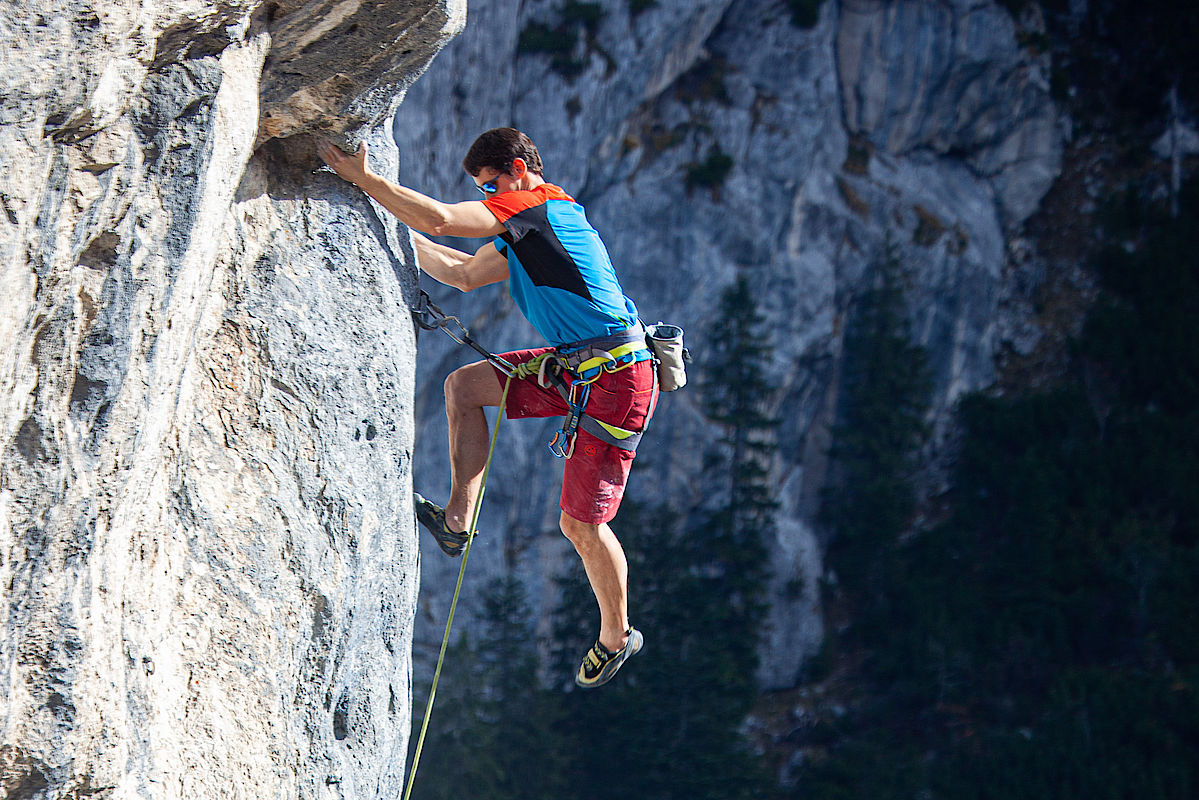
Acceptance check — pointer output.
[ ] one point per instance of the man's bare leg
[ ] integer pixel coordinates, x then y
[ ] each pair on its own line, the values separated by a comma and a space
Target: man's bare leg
608, 571
467, 391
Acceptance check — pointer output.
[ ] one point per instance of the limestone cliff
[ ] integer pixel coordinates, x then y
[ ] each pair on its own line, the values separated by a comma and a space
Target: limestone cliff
923, 125
207, 556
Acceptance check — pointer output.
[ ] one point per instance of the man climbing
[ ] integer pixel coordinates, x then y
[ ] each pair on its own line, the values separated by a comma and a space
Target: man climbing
563, 281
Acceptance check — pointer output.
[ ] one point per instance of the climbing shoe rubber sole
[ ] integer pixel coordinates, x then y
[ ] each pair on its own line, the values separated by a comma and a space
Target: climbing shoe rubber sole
600, 664
432, 517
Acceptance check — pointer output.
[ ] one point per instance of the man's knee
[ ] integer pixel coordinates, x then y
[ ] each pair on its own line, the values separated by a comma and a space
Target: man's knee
577, 531
454, 388
472, 386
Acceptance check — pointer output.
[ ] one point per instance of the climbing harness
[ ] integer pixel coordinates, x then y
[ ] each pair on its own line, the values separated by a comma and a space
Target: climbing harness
445, 640
584, 362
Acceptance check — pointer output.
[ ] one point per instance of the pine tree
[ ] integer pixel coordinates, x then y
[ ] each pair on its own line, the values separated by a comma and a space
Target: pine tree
729, 538
1040, 641
886, 387
493, 732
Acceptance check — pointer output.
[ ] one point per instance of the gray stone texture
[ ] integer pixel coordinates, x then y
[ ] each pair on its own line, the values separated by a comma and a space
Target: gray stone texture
922, 126
208, 571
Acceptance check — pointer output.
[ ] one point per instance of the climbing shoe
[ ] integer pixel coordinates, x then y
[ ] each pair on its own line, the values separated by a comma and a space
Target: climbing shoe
600, 663
432, 516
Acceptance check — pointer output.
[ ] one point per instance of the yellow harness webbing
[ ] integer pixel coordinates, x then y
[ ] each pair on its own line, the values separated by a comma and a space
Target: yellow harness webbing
608, 362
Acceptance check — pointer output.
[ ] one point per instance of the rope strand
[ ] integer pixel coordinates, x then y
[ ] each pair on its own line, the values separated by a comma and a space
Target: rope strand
445, 640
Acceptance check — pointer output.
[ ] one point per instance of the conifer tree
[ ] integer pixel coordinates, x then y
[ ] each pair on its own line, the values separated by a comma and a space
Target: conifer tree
731, 535
1039, 640
493, 728
885, 392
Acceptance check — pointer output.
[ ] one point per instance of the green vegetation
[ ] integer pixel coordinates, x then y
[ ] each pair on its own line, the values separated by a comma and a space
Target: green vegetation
885, 389
587, 15
804, 13
1115, 61
559, 41
705, 82
711, 172
1041, 641
1015, 7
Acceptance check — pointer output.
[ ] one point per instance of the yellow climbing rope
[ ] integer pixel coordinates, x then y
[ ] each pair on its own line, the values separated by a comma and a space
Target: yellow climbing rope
445, 640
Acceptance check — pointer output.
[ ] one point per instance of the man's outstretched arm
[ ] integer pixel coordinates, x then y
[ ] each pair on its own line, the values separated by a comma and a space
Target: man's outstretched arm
409, 206
458, 269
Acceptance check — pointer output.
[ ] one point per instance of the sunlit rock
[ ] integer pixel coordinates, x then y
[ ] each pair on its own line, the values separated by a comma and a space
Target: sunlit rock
207, 556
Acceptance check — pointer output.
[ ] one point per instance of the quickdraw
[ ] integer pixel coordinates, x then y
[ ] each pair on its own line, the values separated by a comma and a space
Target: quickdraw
563, 443
430, 317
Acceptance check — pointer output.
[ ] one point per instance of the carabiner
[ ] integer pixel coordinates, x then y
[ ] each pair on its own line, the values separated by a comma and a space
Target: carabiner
563, 443
556, 447
430, 318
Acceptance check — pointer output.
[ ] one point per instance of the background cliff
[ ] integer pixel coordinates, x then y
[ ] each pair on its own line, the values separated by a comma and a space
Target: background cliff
966, 231
711, 140
207, 556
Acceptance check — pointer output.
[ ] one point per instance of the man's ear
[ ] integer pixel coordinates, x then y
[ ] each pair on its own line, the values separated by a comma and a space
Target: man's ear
519, 168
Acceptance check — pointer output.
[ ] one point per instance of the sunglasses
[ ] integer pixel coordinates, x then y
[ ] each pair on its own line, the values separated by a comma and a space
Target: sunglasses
490, 188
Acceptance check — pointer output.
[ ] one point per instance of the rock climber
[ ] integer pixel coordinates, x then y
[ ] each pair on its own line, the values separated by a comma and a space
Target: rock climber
561, 277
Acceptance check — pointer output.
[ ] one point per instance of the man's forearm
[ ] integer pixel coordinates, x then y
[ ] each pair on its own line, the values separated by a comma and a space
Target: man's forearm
416, 210
443, 264
412, 208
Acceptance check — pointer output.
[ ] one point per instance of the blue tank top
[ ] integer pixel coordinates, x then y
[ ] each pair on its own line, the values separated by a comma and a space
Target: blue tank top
559, 271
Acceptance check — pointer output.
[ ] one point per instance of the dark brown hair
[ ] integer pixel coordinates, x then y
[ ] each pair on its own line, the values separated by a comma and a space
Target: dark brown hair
498, 148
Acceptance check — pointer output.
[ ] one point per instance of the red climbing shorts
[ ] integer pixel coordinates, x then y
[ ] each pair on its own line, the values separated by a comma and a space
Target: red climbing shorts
594, 477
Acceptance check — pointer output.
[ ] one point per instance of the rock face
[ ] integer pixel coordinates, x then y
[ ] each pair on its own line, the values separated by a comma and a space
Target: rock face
207, 556
922, 126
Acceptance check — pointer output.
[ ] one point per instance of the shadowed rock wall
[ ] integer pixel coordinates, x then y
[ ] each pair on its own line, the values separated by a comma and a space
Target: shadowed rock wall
207, 558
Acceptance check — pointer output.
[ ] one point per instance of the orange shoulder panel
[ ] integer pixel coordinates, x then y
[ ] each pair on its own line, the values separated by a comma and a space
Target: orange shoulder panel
508, 204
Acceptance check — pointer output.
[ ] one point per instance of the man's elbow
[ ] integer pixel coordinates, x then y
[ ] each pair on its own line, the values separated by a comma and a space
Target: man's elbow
440, 221
466, 284
440, 227
456, 227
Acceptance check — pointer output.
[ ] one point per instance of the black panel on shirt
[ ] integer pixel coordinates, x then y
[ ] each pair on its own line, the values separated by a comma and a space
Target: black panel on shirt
541, 254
